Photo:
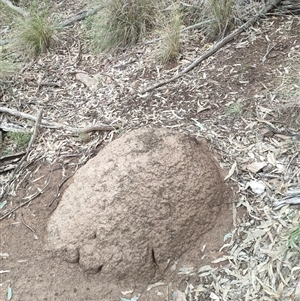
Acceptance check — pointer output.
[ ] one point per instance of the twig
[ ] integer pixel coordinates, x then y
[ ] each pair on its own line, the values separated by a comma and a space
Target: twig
19, 166
270, 47
218, 45
12, 127
59, 187
26, 225
291, 201
291, 160
15, 8
36, 130
25, 203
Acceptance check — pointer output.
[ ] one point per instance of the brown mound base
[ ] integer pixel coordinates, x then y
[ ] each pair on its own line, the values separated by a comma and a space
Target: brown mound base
141, 203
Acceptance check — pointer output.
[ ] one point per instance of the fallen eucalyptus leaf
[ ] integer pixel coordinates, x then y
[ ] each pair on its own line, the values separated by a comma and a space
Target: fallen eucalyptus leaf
256, 166
231, 171
9, 293
2, 204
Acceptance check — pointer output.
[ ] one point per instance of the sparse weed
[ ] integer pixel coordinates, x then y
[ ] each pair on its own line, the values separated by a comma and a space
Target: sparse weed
20, 139
170, 47
294, 239
122, 22
235, 109
84, 137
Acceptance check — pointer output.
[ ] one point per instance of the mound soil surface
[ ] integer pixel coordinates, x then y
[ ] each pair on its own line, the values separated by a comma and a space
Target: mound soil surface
138, 206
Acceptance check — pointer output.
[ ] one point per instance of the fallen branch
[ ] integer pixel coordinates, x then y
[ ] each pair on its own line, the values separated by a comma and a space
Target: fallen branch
268, 7
80, 16
292, 198
15, 8
96, 127
23, 115
11, 127
5, 42
93, 128
11, 158
8, 163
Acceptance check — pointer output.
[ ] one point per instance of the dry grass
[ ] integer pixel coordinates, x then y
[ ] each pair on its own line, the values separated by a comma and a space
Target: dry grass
35, 32
220, 17
120, 22
169, 49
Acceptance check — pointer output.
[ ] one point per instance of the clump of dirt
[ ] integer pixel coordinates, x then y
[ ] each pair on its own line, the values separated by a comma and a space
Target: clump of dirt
144, 201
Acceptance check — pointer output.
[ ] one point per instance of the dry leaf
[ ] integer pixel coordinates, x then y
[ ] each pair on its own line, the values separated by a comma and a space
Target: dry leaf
256, 166
231, 171
179, 296
90, 82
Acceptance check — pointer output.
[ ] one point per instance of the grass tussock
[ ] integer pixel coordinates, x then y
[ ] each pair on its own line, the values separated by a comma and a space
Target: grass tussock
169, 49
122, 22
35, 32
220, 17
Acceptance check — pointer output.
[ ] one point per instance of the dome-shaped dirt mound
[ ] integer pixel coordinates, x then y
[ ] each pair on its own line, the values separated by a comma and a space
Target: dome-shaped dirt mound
146, 198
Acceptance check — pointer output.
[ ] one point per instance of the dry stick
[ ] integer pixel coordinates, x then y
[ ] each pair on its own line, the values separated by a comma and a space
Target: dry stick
18, 167
218, 45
